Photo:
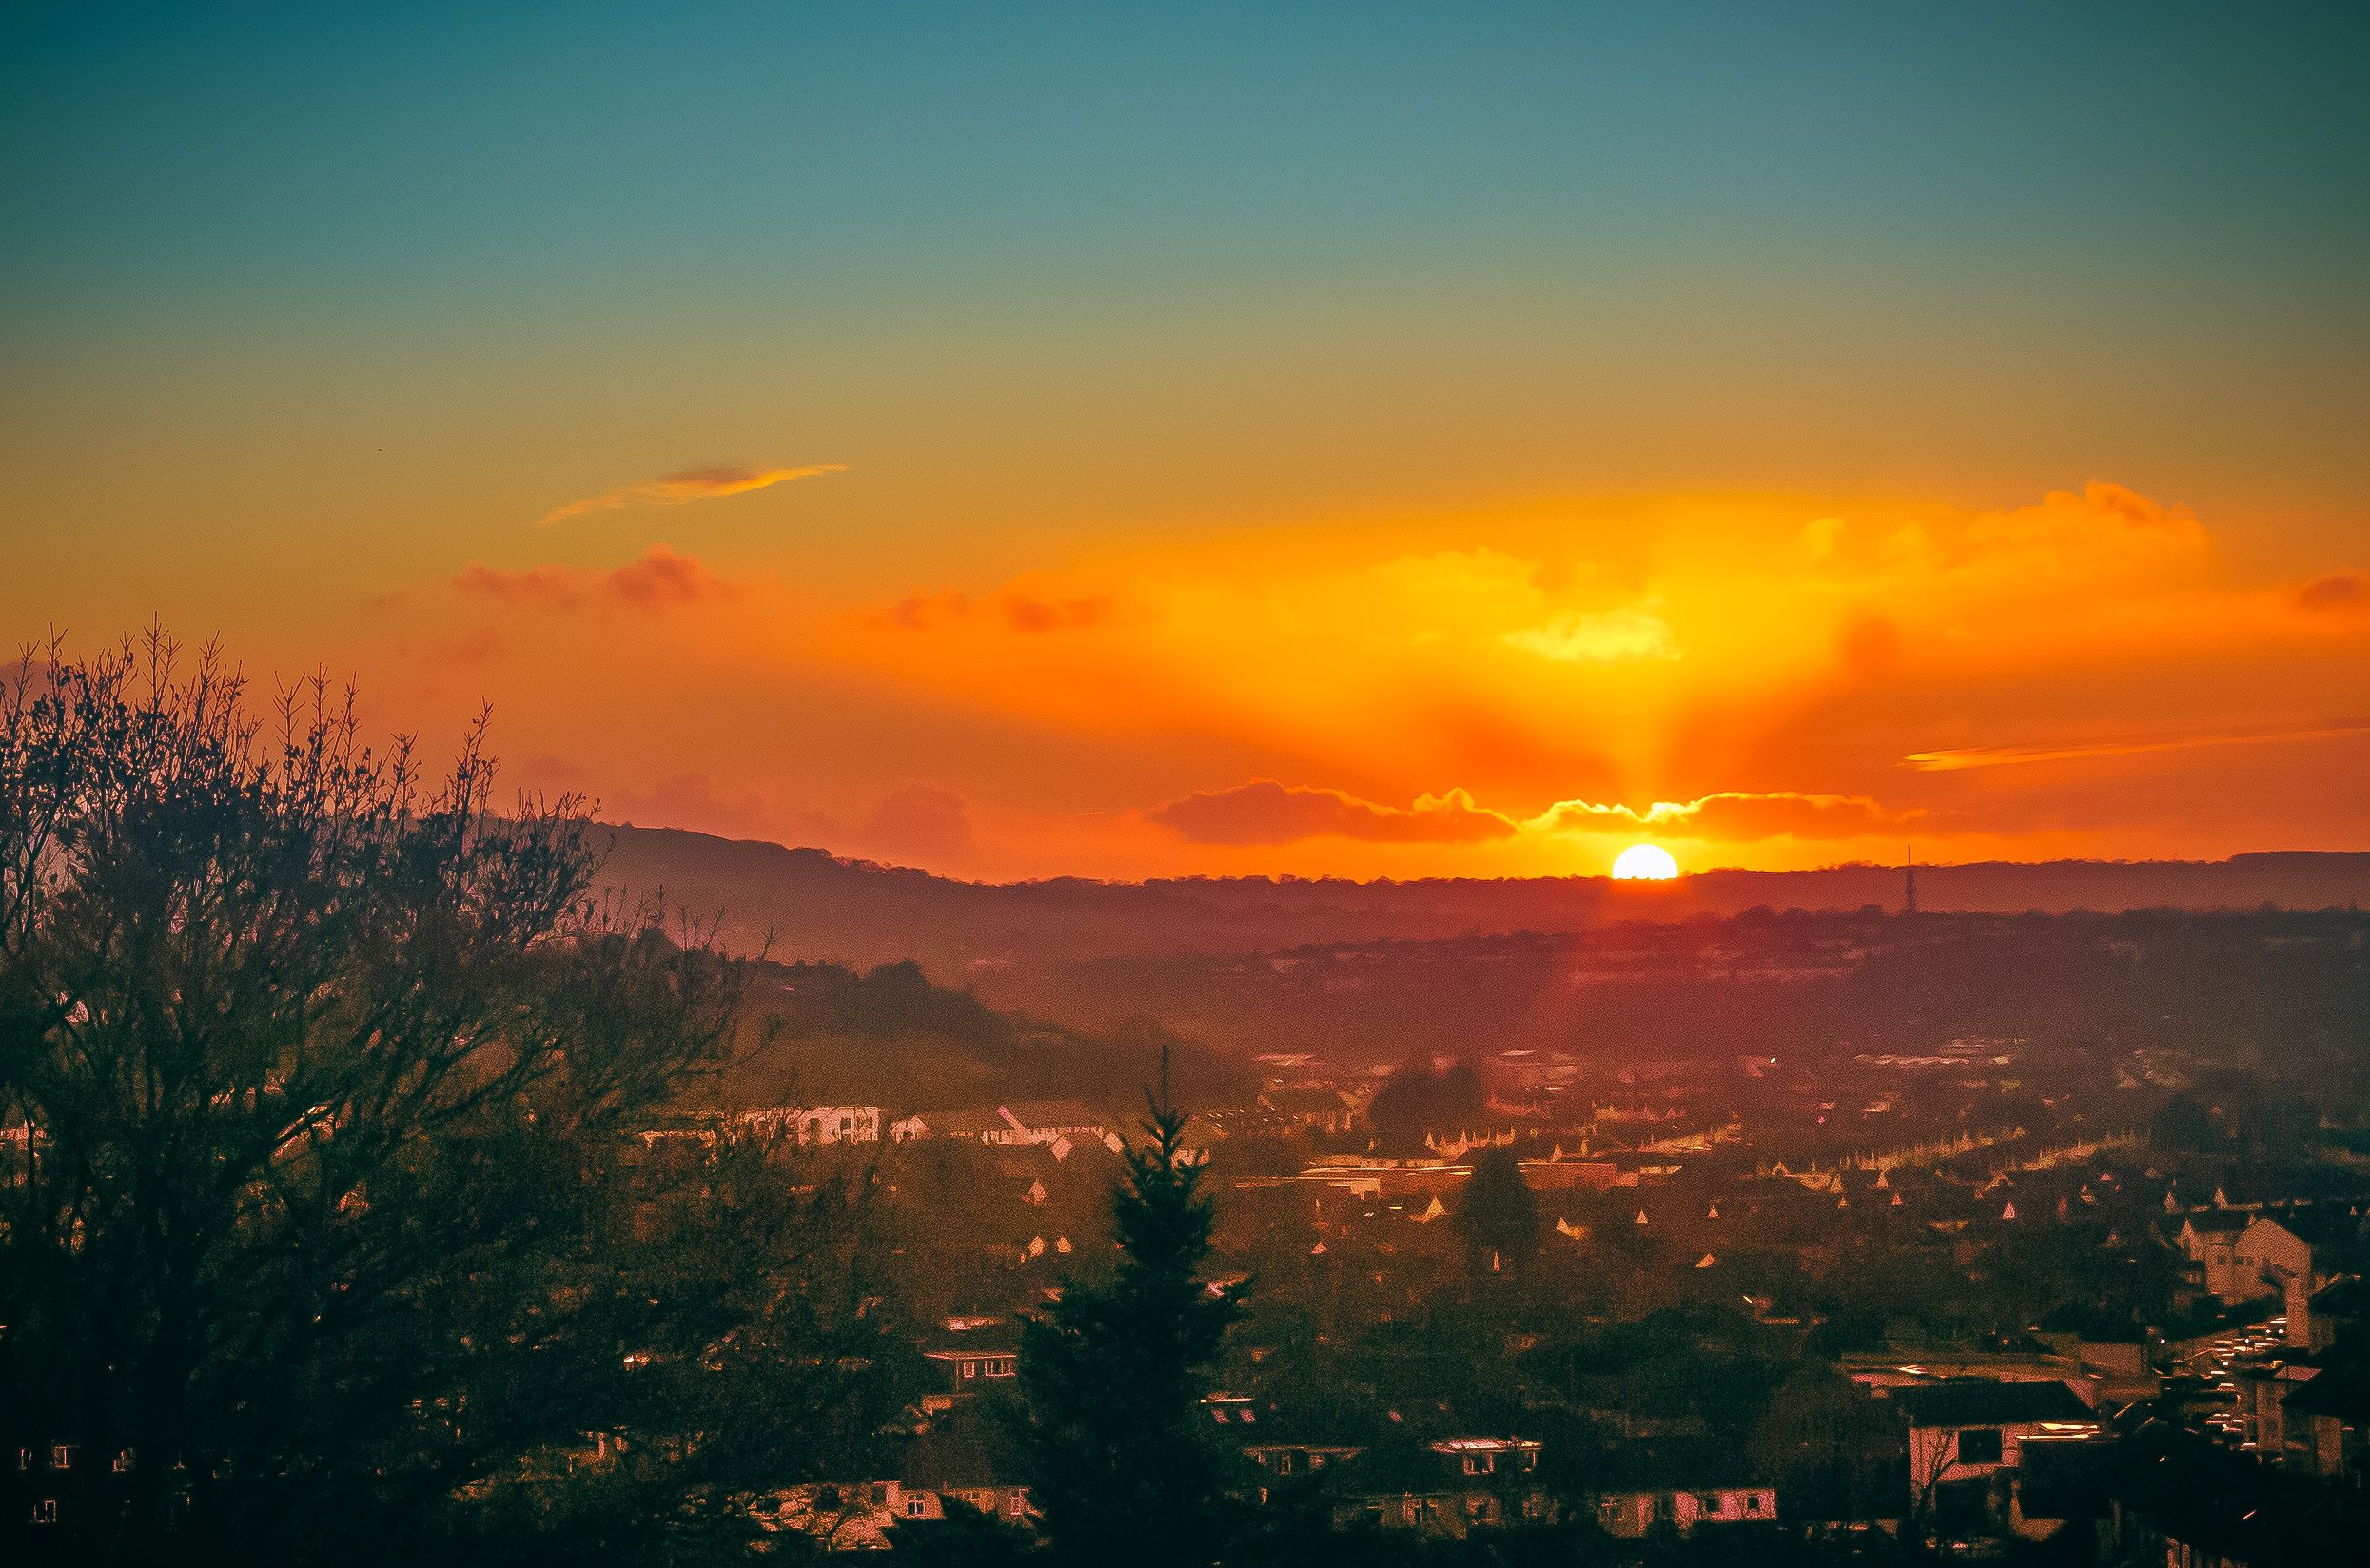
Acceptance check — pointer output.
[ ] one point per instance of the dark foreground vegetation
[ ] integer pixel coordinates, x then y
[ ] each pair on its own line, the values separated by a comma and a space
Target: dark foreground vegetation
374, 1190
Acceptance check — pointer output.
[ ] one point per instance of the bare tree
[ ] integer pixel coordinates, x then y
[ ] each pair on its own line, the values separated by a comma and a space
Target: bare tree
336, 1214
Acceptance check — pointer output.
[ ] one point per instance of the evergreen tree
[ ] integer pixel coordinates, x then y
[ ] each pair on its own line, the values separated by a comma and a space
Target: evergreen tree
1125, 1465
1497, 1218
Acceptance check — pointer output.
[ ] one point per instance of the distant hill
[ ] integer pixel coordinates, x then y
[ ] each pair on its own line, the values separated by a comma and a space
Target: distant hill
822, 1033
816, 906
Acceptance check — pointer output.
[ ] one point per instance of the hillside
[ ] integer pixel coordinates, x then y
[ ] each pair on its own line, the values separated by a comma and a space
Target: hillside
815, 906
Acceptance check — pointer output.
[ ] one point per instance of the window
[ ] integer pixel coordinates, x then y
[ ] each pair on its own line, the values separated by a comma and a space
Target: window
913, 1507
1979, 1445
45, 1511
62, 1457
1752, 1503
881, 1496
1473, 1466
1283, 1464
970, 1369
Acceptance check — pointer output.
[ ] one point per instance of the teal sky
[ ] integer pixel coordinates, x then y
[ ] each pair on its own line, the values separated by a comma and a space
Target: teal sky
309, 312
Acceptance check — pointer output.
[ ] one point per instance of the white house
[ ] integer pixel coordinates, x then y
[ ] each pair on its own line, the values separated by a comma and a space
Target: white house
809, 1126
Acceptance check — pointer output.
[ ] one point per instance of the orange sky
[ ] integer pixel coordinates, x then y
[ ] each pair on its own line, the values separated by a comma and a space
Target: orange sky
1519, 689
1446, 443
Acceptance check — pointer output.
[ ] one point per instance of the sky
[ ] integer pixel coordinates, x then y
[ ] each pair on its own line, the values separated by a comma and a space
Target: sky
1365, 440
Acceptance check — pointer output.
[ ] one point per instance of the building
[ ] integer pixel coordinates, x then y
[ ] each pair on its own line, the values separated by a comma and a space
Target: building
1970, 1438
966, 1458
1631, 1513
1449, 1488
980, 1357
810, 1127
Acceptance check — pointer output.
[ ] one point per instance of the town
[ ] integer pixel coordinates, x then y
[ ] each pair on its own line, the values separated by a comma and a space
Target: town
2078, 1302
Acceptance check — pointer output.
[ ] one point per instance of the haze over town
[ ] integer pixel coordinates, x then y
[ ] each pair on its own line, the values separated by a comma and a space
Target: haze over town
1209, 787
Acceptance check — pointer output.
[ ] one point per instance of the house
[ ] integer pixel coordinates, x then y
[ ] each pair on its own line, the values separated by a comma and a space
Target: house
2242, 1257
2325, 1416
965, 1458
1970, 1438
1280, 1450
1059, 1125
1449, 1488
807, 1126
1633, 1512
978, 1359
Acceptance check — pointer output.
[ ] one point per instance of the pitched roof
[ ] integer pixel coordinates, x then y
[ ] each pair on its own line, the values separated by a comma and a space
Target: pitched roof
965, 1450
1980, 1402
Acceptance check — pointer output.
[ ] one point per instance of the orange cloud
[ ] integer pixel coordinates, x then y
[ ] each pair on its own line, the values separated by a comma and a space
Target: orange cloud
691, 484
1738, 815
658, 579
1266, 812
2334, 593
2002, 756
1019, 610
1600, 637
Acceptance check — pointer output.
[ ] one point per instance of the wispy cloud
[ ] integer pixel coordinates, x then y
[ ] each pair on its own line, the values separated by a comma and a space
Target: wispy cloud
658, 579
1019, 610
2006, 756
691, 484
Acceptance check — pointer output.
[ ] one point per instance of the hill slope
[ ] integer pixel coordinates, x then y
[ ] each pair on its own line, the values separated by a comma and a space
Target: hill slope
818, 907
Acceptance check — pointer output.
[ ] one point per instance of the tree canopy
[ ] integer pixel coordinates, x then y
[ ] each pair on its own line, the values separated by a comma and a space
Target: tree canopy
332, 1218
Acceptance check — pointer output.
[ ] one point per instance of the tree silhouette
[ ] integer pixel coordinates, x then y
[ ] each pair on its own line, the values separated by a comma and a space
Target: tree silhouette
1125, 1465
1496, 1215
324, 1225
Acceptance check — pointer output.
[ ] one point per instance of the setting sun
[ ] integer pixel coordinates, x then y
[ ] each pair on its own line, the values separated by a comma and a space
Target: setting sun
1645, 863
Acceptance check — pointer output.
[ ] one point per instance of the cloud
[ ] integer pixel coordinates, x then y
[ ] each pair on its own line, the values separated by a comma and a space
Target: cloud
692, 801
921, 824
1961, 757
1022, 610
1266, 812
659, 579
2334, 593
1736, 816
1600, 637
691, 484
2103, 529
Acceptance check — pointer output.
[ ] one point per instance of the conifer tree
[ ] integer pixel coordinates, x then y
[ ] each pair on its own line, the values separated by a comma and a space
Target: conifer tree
1125, 1464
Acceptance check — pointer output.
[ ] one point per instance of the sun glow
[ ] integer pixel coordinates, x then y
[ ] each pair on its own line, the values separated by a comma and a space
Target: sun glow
1645, 863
